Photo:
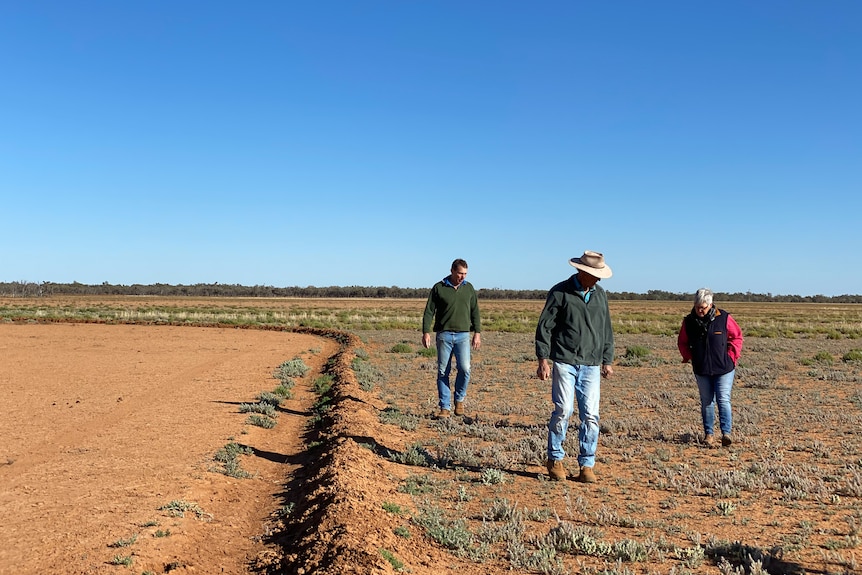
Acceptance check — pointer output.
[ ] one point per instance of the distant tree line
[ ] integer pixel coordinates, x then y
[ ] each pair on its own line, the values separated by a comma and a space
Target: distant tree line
46, 289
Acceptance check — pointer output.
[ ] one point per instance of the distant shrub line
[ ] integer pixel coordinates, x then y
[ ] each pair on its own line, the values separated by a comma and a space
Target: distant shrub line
44, 289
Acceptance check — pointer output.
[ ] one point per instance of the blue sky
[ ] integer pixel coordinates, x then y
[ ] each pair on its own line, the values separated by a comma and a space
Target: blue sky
696, 144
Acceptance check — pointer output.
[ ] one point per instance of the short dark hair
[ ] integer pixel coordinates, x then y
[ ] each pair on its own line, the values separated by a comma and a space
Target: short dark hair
459, 263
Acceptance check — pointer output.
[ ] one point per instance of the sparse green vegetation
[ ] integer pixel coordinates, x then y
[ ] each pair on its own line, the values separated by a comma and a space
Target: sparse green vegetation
652, 317
419, 484
361, 354
394, 416
367, 375
125, 560
415, 454
392, 508
179, 508
396, 563
852, 355
452, 534
637, 351
267, 409
263, 421
634, 356
323, 384
270, 398
292, 368
492, 476
284, 390
229, 458
651, 422
124, 542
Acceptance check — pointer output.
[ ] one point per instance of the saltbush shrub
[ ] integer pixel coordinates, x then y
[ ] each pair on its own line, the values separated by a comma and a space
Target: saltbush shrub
637, 351
292, 368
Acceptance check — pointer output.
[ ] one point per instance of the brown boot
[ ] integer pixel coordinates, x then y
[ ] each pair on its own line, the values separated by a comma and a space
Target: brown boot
726, 440
709, 440
443, 414
556, 470
587, 475
459, 408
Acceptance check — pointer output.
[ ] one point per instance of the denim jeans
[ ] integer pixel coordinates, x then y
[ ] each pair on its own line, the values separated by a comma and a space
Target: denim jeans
568, 383
449, 344
715, 388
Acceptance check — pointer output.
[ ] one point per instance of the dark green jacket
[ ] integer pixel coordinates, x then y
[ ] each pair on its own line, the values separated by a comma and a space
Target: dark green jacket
452, 309
573, 331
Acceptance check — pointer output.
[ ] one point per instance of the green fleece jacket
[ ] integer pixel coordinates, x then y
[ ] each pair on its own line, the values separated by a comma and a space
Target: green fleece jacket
573, 331
452, 309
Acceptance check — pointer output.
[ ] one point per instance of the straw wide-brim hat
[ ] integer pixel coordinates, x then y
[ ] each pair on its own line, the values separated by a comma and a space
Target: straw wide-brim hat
593, 263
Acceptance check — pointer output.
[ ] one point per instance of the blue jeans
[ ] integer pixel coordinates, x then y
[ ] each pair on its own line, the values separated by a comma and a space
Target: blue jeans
570, 382
715, 388
452, 343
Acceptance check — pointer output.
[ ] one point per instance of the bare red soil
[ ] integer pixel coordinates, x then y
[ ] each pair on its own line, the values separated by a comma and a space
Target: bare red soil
102, 425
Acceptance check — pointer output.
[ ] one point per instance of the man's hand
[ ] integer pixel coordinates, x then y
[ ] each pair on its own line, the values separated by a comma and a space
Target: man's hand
543, 372
426, 340
607, 370
477, 340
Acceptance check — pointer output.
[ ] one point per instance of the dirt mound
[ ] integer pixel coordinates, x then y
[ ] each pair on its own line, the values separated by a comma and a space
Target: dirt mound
340, 524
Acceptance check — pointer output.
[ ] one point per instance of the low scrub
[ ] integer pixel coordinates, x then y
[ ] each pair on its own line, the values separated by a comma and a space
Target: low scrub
853, 355
229, 459
290, 369
263, 421
179, 508
486, 496
264, 408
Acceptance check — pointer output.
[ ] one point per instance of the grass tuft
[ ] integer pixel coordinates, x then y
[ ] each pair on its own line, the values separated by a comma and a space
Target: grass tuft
852, 355
396, 563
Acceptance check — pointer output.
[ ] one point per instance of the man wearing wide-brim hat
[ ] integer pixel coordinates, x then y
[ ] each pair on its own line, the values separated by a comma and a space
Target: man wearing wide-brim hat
575, 347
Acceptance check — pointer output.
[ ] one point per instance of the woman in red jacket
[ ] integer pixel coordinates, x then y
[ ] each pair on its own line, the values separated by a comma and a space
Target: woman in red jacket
711, 340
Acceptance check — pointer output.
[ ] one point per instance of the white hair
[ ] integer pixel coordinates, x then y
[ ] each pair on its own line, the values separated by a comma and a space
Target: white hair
703, 297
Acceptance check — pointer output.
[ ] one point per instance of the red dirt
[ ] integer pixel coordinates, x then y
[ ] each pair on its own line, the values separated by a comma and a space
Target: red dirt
104, 424
101, 425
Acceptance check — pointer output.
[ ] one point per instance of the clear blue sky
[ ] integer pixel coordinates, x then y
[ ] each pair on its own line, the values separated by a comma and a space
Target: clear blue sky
697, 144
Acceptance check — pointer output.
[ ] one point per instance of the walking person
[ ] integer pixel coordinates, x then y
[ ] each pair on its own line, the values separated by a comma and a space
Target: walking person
711, 340
575, 347
452, 310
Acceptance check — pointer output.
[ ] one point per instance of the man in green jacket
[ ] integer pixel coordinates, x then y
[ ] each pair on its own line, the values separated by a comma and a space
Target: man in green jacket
453, 309
575, 338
